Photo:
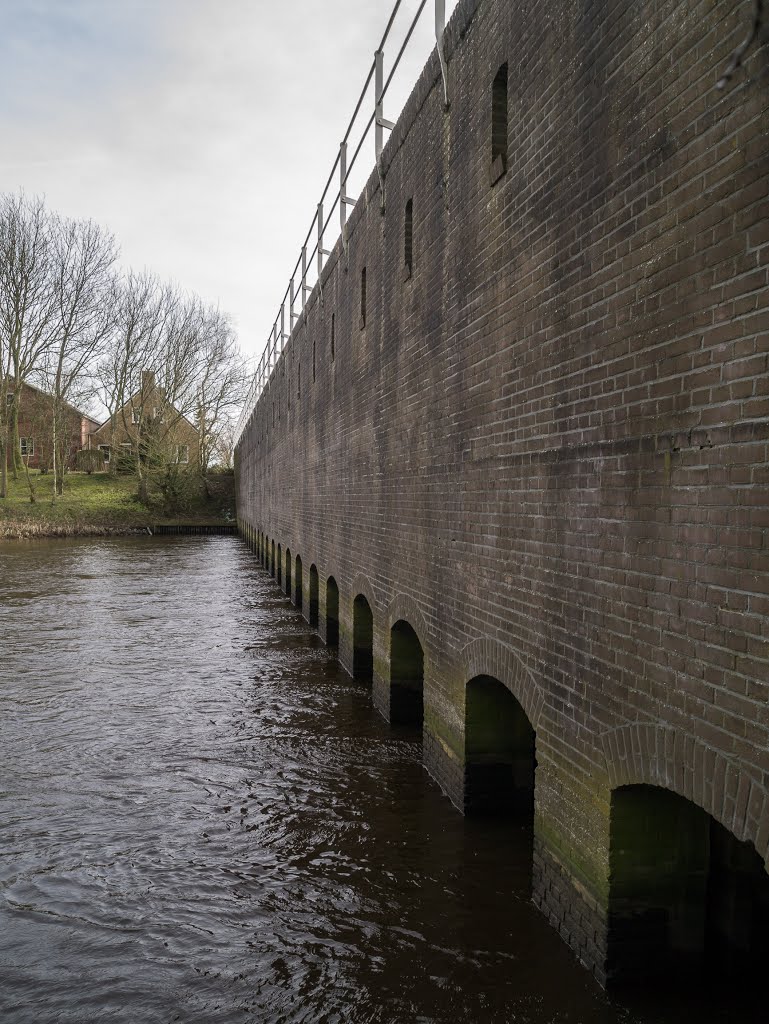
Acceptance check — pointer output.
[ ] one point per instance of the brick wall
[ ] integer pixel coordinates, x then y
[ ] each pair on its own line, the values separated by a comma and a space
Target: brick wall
551, 439
36, 425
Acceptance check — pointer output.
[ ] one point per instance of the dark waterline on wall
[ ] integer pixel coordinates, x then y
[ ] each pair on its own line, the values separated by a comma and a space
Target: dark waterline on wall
202, 819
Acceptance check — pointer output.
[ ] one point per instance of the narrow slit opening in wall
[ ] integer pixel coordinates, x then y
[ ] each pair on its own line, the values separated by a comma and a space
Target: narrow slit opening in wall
333, 336
363, 298
298, 380
408, 237
499, 118
313, 362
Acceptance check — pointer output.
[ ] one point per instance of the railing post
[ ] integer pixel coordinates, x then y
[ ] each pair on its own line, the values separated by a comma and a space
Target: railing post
380, 121
321, 251
379, 103
292, 296
440, 25
305, 288
342, 185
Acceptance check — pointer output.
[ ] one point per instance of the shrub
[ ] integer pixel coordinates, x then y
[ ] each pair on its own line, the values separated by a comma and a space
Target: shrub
89, 460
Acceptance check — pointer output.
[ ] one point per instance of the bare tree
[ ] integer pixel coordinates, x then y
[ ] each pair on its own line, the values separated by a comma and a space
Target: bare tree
147, 374
140, 305
28, 309
165, 363
221, 383
83, 258
223, 445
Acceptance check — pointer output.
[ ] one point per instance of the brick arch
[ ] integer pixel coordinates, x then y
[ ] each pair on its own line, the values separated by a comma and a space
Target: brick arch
406, 608
362, 585
657, 755
324, 578
486, 657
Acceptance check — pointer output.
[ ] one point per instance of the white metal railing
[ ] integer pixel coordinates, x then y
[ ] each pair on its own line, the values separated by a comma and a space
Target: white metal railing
283, 325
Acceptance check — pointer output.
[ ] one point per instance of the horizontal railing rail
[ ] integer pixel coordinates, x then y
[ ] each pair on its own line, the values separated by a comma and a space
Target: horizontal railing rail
283, 324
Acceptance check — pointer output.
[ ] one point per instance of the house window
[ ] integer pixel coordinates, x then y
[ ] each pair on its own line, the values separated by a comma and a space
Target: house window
27, 446
9, 398
136, 415
363, 298
499, 125
408, 237
182, 453
105, 450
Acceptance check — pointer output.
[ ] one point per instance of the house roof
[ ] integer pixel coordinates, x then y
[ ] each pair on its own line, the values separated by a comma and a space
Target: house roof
69, 405
127, 404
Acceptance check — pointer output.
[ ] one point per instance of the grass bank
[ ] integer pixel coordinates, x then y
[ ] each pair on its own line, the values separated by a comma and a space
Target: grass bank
95, 505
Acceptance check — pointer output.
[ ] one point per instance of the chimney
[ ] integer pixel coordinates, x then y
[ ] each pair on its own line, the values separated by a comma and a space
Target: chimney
148, 381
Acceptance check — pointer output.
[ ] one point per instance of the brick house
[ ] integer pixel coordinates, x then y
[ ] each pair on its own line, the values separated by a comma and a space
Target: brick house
149, 423
36, 427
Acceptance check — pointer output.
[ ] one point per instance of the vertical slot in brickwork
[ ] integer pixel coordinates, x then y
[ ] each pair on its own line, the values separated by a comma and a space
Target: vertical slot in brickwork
408, 239
499, 125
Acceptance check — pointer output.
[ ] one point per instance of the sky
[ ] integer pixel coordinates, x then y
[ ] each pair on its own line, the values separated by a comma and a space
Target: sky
201, 132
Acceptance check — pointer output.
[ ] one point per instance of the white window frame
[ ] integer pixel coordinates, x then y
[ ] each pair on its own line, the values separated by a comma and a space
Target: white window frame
179, 460
27, 447
136, 416
106, 450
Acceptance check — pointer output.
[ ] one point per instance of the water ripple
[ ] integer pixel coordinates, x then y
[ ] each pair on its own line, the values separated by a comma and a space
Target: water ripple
203, 820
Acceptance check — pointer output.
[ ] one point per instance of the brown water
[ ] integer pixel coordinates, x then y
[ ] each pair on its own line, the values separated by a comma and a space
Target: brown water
202, 819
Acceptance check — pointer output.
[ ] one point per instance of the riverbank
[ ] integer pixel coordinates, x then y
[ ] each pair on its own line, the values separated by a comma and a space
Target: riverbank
96, 505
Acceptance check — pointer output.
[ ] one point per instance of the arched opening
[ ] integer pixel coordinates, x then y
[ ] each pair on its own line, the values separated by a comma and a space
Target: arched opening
272, 558
685, 896
499, 752
298, 584
288, 571
279, 568
406, 676
313, 597
362, 640
332, 612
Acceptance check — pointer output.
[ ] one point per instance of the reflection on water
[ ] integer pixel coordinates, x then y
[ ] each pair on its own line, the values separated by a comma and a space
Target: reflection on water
202, 819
